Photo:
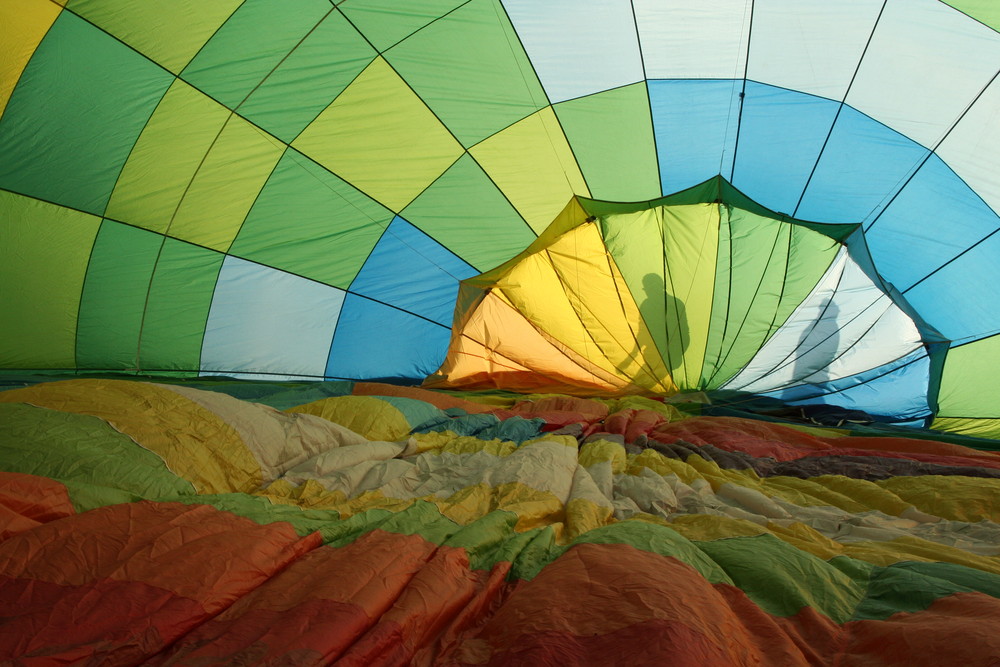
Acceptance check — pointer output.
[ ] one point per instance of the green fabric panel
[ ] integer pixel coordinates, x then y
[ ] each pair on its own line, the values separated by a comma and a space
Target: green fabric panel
657, 539
782, 579
690, 243
75, 114
114, 296
385, 22
169, 33
611, 134
309, 78
984, 11
335, 226
82, 449
469, 68
179, 300
486, 540
166, 158
44, 251
464, 211
966, 391
912, 587
263, 511
635, 242
766, 268
251, 44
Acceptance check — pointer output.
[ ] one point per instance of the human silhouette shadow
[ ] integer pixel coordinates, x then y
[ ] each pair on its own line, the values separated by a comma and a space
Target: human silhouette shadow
655, 300
817, 348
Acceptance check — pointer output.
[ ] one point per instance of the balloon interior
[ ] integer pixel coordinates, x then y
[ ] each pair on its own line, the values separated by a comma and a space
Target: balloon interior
487, 332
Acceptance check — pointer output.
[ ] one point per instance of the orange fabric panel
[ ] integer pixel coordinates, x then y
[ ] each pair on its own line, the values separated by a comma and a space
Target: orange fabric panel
27, 501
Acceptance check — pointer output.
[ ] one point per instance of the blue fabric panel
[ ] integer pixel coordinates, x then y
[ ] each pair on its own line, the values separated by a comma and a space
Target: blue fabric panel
578, 47
897, 390
375, 341
694, 124
863, 161
960, 299
412, 271
935, 217
781, 136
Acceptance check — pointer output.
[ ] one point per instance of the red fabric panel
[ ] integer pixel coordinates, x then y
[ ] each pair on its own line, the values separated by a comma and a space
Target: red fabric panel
27, 501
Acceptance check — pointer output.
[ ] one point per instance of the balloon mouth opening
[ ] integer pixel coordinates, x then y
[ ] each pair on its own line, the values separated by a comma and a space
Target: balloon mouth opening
701, 290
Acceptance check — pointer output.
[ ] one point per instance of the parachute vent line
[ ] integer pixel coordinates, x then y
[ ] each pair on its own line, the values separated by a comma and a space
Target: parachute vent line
881, 209
743, 94
840, 108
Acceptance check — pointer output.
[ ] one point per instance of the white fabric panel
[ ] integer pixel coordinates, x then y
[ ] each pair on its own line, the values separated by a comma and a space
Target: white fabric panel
857, 328
578, 47
693, 40
812, 46
972, 148
926, 63
266, 320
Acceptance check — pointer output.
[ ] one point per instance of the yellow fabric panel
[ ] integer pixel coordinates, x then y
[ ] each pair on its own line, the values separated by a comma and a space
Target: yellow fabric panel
219, 196
949, 496
662, 465
23, 24
705, 527
599, 451
497, 347
916, 549
193, 442
166, 157
392, 155
571, 292
804, 537
169, 33
440, 442
583, 515
668, 411
811, 492
979, 428
371, 417
533, 165
870, 495
534, 508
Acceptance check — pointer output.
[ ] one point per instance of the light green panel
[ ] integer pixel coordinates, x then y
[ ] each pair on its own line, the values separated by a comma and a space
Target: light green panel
179, 300
690, 244
668, 258
752, 255
43, 259
181, 179
114, 296
393, 155
636, 244
611, 134
250, 45
466, 213
309, 222
169, 33
984, 11
766, 268
966, 390
385, 22
225, 185
309, 78
165, 158
469, 68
